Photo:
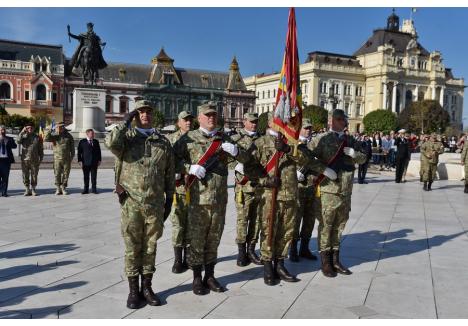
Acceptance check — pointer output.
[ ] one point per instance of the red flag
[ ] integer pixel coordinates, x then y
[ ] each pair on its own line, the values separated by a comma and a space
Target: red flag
288, 109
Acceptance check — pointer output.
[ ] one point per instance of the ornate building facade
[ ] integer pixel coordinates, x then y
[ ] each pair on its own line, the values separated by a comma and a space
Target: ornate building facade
389, 71
31, 79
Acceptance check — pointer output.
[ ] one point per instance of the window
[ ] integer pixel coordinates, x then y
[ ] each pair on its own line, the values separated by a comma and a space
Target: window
44, 66
246, 109
274, 93
5, 91
40, 92
37, 67
123, 104
323, 88
54, 97
359, 91
26, 95
337, 89
453, 116
268, 94
233, 110
258, 94
346, 108
109, 100
263, 94
348, 90
358, 109
322, 104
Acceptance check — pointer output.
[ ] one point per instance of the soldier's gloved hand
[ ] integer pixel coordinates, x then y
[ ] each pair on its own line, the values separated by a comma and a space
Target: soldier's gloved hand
129, 117
272, 182
349, 151
239, 168
167, 207
197, 170
229, 148
330, 174
281, 146
300, 176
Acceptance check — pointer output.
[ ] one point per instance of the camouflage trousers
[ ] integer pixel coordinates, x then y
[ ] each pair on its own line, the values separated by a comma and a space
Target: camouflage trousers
283, 227
335, 214
205, 228
466, 174
30, 171
248, 221
141, 227
178, 218
306, 213
62, 172
429, 172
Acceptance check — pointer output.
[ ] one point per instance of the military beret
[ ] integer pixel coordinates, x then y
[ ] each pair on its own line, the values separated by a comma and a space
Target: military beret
306, 123
338, 113
251, 116
185, 115
143, 104
207, 108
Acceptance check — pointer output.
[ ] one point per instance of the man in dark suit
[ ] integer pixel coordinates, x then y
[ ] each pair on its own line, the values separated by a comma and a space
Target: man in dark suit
89, 157
402, 154
6, 159
366, 148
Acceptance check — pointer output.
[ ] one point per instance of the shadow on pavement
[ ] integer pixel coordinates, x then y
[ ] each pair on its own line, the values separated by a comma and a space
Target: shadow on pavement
39, 250
30, 269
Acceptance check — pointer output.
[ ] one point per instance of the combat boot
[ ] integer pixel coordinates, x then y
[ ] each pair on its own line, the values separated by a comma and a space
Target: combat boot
242, 259
327, 269
64, 190
429, 186
186, 258
304, 250
58, 191
209, 281
134, 301
252, 255
268, 273
27, 191
293, 256
425, 186
147, 292
283, 273
178, 266
339, 268
197, 285
466, 189
33, 191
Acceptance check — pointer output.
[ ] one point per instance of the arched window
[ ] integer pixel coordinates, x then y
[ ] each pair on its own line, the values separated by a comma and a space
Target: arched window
5, 90
123, 104
109, 101
41, 92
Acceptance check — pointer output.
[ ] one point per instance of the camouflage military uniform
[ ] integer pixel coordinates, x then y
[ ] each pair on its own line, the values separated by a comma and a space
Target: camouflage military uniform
178, 214
430, 151
464, 160
64, 151
207, 197
32, 154
147, 174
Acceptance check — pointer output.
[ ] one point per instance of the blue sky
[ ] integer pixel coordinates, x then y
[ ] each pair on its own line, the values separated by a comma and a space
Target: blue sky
208, 38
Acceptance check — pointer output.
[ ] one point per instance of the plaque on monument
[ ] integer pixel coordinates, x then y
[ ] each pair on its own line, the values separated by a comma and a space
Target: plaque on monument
88, 112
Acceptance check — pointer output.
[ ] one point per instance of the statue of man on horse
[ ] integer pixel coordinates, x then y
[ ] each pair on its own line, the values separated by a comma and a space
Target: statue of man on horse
88, 54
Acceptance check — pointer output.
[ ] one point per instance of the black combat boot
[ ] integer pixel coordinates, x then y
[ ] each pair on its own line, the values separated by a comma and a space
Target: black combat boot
178, 266
210, 281
425, 186
197, 285
242, 259
252, 255
134, 300
185, 259
293, 256
268, 273
466, 189
429, 186
337, 265
327, 268
304, 250
283, 273
147, 292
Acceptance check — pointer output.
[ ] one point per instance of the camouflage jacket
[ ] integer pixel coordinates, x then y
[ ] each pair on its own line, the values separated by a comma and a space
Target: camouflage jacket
147, 164
431, 151
324, 147
464, 155
245, 141
173, 138
31, 147
309, 174
263, 150
64, 145
212, 190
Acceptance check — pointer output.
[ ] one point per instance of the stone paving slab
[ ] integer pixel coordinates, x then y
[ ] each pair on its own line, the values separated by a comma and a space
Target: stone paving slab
62, 257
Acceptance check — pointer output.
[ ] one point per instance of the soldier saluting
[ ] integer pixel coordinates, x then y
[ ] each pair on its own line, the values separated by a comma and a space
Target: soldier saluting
203, 155
145, 185
32, 153
430, 150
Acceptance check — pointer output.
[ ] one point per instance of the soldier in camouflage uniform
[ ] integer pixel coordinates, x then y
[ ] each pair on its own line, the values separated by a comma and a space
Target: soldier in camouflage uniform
248, 222
32, 153
305, 204
335, 194
263, 149
207, 197
178, 214
464, 161
430, 150
145, 183
64, 151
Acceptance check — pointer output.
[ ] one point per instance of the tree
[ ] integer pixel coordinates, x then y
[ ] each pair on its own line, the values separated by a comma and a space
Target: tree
379, 120
158, 119
318, 116
424, 116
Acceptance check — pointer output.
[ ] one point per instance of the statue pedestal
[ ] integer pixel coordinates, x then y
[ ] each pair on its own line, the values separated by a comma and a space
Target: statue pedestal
88, 112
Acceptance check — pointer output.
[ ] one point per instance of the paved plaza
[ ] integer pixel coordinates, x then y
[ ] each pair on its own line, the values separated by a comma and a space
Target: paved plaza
62, 257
